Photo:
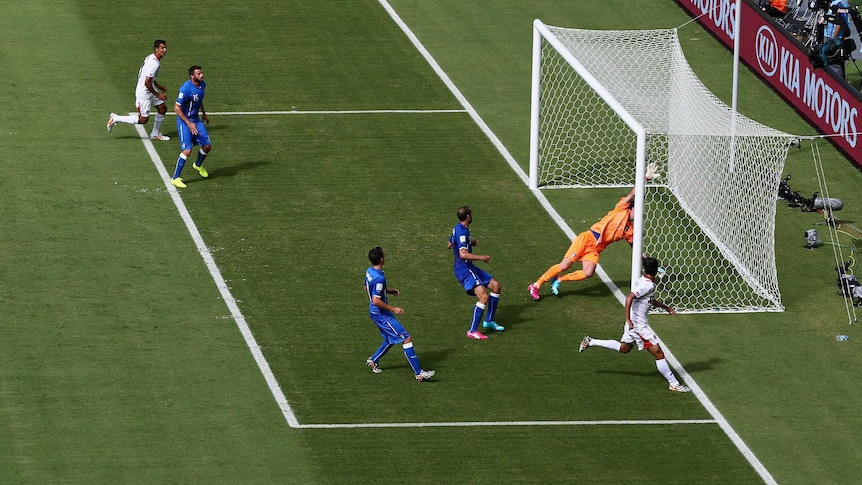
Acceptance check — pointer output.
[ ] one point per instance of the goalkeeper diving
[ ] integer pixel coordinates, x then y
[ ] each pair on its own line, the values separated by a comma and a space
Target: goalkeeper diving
616, 225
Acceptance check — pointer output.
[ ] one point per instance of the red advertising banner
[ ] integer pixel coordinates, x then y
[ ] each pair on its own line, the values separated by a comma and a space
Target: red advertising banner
828, 103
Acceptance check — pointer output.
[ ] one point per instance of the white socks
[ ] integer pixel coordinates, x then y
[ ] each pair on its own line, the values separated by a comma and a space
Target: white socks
662, 367
157, 124
130, 119
608, 344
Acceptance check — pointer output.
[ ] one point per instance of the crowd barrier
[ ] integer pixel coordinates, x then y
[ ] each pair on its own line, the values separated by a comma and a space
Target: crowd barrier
825, 100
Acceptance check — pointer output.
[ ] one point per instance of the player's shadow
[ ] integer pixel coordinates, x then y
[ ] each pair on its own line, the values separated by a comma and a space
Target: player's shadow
646, 373
430, 359
510, 315
702, 366
581, 289
691, 368
225, 171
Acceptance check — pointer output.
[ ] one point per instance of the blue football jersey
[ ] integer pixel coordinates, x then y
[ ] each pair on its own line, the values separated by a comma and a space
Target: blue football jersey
375, 285
461, 239
190, 98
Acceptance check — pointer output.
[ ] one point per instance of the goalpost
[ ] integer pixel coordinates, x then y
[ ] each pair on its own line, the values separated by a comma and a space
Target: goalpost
607, 103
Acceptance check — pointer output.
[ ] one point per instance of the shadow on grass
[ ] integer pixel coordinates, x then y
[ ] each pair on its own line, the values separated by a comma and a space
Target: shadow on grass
691, 368
226, 171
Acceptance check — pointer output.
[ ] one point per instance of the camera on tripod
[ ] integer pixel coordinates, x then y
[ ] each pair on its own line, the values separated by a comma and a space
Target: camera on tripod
848, 285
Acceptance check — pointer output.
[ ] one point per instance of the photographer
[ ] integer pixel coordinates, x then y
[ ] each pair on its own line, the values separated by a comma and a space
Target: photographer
835, 36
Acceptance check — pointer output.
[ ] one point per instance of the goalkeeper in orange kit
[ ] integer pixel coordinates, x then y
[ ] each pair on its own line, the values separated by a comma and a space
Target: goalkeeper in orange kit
616, 225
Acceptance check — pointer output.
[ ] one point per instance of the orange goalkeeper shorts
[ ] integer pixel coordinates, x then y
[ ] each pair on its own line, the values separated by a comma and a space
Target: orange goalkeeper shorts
583, 248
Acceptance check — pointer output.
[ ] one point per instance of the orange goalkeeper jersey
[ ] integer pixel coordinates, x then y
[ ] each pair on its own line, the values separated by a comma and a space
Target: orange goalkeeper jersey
615, 226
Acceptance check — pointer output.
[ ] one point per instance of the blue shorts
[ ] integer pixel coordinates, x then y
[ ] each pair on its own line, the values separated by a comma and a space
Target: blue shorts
390, 328
187, 140
473, 278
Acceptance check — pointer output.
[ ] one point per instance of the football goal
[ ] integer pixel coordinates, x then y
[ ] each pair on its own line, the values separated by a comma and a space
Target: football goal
607, 103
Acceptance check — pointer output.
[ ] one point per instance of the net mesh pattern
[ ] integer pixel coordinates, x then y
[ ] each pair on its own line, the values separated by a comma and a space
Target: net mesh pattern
710, 218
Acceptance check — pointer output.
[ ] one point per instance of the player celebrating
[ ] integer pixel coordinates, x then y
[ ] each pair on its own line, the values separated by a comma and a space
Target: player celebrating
637, 329
148, 93
475, 281
381, 313
190, 109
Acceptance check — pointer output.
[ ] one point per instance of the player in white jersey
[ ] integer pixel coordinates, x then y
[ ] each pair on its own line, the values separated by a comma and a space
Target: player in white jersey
637, 330
148, 94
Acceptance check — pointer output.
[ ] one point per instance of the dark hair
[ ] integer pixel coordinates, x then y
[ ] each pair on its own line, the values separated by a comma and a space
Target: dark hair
463, 212
650, 266
158, 42
192, 70
375, 255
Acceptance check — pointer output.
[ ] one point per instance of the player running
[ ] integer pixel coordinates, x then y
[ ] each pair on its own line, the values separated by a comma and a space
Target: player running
383, 314
148, 94
637, 330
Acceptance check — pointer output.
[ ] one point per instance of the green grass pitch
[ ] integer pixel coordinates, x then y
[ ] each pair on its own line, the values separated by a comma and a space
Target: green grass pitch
121, 363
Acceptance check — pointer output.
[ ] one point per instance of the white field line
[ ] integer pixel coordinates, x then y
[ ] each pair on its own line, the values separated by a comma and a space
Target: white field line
229, 300
462, 424
701, 396
262, 363
335, 112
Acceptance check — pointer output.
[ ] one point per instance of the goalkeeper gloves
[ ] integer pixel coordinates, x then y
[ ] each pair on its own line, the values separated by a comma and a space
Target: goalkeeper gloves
652, 172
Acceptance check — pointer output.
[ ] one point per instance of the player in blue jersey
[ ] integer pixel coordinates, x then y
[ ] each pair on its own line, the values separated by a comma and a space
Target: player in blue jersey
475, 281
382, 314
192, 132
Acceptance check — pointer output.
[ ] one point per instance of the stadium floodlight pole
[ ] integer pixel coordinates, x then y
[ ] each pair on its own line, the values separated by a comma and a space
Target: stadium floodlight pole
734, 102
540, 33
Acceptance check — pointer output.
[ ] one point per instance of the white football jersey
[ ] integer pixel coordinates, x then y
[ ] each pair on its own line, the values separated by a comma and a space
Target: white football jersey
644, 289
150, 68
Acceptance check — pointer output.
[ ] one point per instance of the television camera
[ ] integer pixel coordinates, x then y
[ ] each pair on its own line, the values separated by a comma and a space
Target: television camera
833, 51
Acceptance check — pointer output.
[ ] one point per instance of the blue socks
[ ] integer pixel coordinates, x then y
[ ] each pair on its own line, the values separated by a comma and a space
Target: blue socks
492, 307
411, 358
181, 162
201, 156
384, 347
478, 310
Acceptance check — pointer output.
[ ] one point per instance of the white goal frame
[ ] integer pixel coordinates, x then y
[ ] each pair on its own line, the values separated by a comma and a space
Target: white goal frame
688, 131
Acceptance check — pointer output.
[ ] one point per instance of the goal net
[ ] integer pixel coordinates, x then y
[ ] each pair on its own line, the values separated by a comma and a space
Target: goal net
606, 103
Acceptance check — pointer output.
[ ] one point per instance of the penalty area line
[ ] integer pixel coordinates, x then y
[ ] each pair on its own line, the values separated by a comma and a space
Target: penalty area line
456, 424
333, 112
224, 290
